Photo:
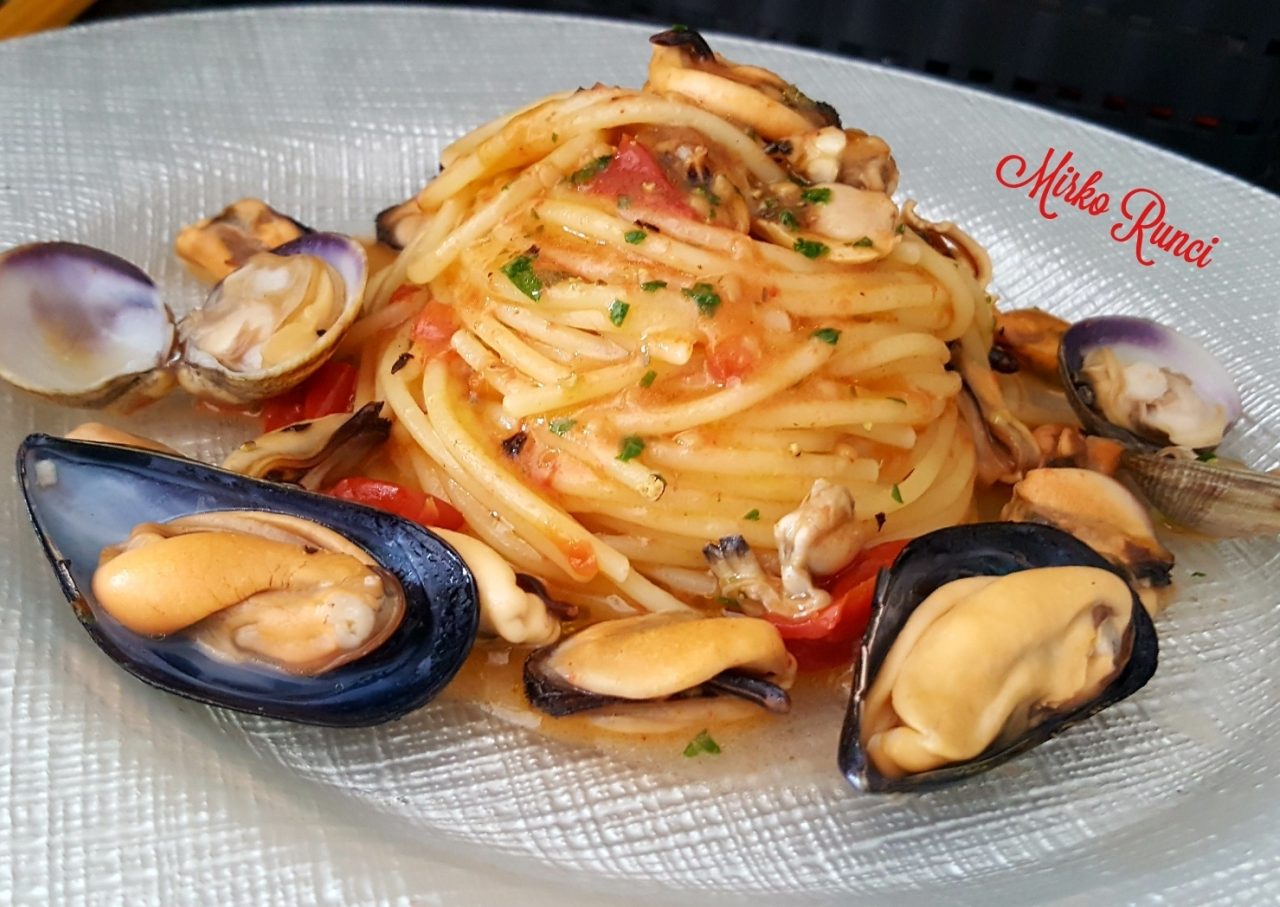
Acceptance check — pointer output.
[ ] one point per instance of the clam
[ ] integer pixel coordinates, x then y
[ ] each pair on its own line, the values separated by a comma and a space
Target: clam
985, 641
662, 658
273, 321
366, 619
1213, 496
1146, 385
83, 327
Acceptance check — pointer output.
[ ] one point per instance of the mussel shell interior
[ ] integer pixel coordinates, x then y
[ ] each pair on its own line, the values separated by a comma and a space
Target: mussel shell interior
83, 496
932, 561
1153, 342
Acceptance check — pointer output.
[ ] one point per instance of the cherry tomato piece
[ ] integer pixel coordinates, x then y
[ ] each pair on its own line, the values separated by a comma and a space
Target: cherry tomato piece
405, 502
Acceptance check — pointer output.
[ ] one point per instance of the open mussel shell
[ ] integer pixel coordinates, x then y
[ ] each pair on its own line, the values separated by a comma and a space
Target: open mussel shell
83, 496
1214, 498
204, 374
1138, 339
82, 327
938, 558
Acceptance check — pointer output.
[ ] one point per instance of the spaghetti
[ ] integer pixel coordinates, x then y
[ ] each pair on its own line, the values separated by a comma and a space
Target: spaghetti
632, 322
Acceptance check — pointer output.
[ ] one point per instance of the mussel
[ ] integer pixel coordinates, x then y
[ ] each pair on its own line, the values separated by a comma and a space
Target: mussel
661, 658
1011, 656
92, 502
1146, 385
214, 247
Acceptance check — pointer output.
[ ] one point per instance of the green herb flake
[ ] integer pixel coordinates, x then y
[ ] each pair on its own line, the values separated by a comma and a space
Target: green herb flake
679, 27
520, 272
618, 312
624, 202
1199, 574
810, 248
1206, 456
562, 427
818, 196
588, 173
632, 446
635, 237
902, 228
827, 335
700, 744
896, 494
711, 197
705, 295
648, 379
653, 286
788, 220
864, 243
753, 515
726, 602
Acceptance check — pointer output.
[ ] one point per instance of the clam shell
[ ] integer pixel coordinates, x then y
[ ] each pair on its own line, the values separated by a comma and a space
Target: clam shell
1215, 500
83, 327
1150, 340
932, 561
83, 496
201, 375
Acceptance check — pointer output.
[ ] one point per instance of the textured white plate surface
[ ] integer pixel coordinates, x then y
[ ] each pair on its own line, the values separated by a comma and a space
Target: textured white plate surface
116, 135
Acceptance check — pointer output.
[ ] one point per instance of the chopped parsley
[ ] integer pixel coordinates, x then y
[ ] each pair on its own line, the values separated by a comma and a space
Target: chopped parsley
817, 196
721, 600
1199, 574
827, 335
679, 27
632, 446
562, 427
648, 378
653, 286
788, 220
896, 494
588, 173
700, 744
902, 228
635, 236
711, 197
705, 295
753, 514
864, 243
811, 248
520, 272
618, 312
1206, 456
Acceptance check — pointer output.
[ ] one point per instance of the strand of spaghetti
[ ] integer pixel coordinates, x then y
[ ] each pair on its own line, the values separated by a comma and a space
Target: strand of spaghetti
633, 475
934, 449
890, 349
521, 140
691, 525
643, 549
947, 272
570, 340
393, 389
518, 354
735, 461
499, 535
423, 266
734, 244
946, 503
849, 300
697, 583
591, 386
861, 411
366, 377
942, 384
580, 554
650, 597
762, 384
489, 367
396, 275
410, 460
467, 143
388, 318
896, 369
782, 489
710, 502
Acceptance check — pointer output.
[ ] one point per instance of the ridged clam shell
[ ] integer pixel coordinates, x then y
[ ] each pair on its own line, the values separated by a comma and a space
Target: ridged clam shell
1215, 500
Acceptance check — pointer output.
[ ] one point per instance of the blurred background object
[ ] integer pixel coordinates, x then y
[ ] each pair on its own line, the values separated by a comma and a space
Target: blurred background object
1201, 77
24, 17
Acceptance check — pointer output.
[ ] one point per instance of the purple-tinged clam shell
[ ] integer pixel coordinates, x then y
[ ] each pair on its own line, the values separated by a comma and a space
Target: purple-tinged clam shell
1134, 340
82, 327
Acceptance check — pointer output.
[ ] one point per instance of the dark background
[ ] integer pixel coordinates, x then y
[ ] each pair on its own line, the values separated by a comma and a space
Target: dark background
1201, 77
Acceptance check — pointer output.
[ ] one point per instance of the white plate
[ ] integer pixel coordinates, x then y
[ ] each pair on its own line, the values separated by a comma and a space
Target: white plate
116, 135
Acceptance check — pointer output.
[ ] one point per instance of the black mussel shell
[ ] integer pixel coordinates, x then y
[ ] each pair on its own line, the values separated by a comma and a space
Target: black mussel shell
83, 496
932, 561
1158, 343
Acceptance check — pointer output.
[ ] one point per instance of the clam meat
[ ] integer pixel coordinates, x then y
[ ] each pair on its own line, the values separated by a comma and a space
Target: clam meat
246, 594
985, 641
